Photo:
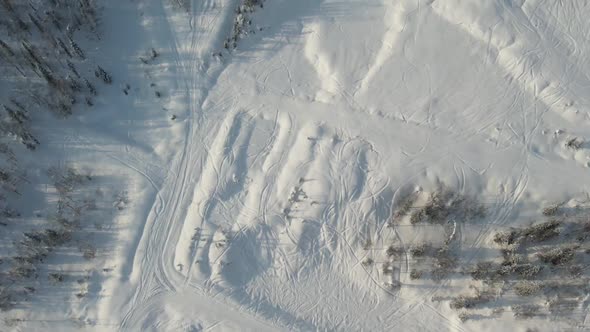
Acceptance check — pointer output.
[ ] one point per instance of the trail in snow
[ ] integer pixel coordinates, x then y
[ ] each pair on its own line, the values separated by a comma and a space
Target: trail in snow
298, 149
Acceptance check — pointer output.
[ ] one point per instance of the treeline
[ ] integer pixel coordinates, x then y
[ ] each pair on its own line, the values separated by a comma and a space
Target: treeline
43, 61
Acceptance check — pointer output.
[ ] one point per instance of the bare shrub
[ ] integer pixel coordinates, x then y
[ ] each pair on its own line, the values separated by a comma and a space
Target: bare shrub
526, 288
552, 210
562, 307
5, 299
498, 311
566, 287
420, 250
405, 206
524, 311
393, 251
471, 301
514, 238
542, 232
574, 143
482, 270
445, 262
22, 271
102, 74
445, 204
242, 23
527, 271
56, 277
393, 285
507, 238
415, 274
252, 3
463, 316
88, 251
121, 200
511, 262
417, 217
368, 261
11, 322
182, 4
387, 268
558, 256
65, 179
54, 238
436, 209
583, 231
576, 271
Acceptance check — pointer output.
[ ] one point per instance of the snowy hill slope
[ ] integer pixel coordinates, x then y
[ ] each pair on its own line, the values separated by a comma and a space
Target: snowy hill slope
348, 165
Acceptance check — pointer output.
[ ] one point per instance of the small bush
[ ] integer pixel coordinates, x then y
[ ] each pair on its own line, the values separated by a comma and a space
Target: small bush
405, 206
415, 274
576, 271
543, 231
526, 288
22, 272
463, 316
524, 311
470, 301
551, 210
498, 311
417, 217
5, 299
506, 239
393, 285
512, 259
562, 307
102, 74
445, 204
368, 261
121, 200
368, 244
558, 256
420, 250
482, 270
11, 322
88, 252
56, 277
394, 251
252, 3
436, 209
445, 263
574, 143
387, 268
527, 271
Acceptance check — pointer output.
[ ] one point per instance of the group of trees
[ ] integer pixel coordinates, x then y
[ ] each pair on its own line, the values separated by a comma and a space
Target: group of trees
543, 264
43, 62
242, 22
40, 57
541, 269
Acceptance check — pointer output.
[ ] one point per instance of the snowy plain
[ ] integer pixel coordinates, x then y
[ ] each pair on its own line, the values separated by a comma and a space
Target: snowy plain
271, 198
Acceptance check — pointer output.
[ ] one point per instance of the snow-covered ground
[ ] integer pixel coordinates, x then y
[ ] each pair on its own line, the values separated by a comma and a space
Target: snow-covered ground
279, 185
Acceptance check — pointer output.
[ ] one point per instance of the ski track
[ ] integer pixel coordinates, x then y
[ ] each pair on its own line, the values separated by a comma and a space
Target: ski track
160, 226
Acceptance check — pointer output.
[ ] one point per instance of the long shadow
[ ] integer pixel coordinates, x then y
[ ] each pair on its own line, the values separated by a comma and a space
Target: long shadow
284, 21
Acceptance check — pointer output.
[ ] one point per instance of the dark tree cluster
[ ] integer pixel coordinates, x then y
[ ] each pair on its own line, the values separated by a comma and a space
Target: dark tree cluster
43, 61
543, 263
40, 45
242, 23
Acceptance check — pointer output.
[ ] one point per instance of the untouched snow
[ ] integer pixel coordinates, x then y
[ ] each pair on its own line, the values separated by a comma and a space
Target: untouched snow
258, 206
